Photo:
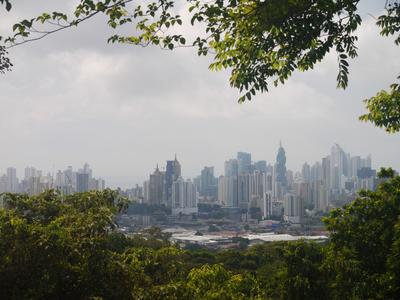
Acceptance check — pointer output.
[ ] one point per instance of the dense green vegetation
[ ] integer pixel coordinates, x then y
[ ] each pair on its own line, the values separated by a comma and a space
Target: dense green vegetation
67, 247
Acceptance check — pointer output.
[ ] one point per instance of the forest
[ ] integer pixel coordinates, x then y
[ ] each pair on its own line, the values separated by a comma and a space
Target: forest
69, 247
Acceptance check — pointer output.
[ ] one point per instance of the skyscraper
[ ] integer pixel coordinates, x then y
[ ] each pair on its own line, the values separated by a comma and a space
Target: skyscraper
231, 167
228, 191
306, 172
244, 162
243, 190
208, 183
82, 182
281, 166
12, 182
156, 187
261, 166
338, 167
184, 197
293, 208
172, 172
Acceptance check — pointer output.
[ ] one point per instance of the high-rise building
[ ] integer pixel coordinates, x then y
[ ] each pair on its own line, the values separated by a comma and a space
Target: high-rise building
208, 183
293, 208
156, 187
172, 172
316, 172
184, 197
326, 171
280, 167
355, 165
35, 186
338, 167
244, 162
256, 185
228, 191
12, 180
243, 183
319, 195
31, 172
306, 172
231, 168
146, 192
82, 182
366, 162
267, 210
261, 166
3, 183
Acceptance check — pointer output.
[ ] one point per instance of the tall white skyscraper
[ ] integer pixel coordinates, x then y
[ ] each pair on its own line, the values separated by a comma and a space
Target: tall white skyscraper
12, 180
293, 208
184, 197
228, 191
338, 167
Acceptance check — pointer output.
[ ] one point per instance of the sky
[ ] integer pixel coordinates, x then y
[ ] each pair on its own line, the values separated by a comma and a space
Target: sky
72, 98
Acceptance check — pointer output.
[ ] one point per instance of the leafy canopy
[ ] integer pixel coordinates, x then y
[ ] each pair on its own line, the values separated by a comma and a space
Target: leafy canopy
67, 247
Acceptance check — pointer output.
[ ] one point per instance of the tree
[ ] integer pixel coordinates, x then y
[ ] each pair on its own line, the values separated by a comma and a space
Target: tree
55, 247
384, 110
364, 252
303, 276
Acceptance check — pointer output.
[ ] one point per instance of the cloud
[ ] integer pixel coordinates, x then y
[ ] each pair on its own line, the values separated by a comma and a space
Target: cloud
73, 98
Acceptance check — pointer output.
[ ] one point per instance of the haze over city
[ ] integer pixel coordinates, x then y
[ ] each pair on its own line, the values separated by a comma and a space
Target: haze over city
72, 98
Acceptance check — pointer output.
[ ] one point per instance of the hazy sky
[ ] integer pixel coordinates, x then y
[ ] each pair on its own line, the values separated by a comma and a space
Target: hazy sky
72, 98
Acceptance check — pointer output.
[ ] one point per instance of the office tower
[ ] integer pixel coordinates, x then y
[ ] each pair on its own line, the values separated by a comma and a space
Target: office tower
82, 182
184, 197
172, 173
135, 194
339, 165
366, 178
306, 172
96, 184
208, 183
267, 205
293, 208
319, 195
156, 187
366, 162
12, 181
256, 189
228, 191
326, 171
3, 183
60, 180
30, 172
303, 191
290, 178
261, 166
280, 167
268, 182
243, 188
35, 186
87, 170
256, 185
316, 172
197, 182
231, 168
244, 162
355, 165
146, 192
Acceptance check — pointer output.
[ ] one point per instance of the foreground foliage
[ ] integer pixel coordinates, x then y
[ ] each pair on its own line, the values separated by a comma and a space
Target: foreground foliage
54, 247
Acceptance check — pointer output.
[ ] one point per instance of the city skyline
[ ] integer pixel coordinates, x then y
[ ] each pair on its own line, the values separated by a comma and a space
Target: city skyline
218, 168
125, 108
